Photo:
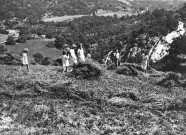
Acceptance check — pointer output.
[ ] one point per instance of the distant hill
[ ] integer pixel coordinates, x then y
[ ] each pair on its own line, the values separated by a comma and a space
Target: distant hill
34, 10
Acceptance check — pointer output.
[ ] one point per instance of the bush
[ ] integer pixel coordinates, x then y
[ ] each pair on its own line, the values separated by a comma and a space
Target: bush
38, 57
50, 45
29, 37
59, 42
3, 31
22, 39
49, 35
10, 41
3, 49
46, 61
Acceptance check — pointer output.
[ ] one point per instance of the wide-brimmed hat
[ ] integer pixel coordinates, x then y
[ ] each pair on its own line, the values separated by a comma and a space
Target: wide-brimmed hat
65, 45
25, 49
74, 45
67, 48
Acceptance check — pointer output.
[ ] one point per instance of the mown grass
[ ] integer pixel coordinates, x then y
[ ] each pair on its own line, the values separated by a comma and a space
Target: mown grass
46, 101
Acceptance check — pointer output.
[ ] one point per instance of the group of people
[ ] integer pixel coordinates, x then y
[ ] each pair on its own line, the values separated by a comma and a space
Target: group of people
71, 54
115, 57
74, 54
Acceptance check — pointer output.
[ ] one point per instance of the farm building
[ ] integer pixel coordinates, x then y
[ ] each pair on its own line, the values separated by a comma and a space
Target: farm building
13, 32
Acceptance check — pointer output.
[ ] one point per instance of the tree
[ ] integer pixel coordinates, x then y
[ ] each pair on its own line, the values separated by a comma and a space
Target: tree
10, 41
22, 39
59, 42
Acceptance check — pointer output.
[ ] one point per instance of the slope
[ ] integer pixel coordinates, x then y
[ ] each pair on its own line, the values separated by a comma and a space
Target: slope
46, 101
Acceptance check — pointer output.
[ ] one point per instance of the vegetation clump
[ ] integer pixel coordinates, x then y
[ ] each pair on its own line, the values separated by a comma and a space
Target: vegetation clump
86, 70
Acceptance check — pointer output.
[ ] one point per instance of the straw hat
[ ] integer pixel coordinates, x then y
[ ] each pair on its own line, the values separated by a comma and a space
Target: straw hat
67, 48
25, 49
65, 45
74, 45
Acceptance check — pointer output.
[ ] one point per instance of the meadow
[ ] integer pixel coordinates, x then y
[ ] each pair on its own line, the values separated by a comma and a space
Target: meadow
47, 101
34, 46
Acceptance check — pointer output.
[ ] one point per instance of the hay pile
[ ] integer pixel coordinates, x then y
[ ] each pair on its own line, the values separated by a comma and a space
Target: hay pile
87, 70
130, 69
10, 59
172, 80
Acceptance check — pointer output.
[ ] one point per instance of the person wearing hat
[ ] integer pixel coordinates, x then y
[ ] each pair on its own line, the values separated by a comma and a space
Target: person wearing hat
65, 61
24, 59
73, 55
144, 62
81, 53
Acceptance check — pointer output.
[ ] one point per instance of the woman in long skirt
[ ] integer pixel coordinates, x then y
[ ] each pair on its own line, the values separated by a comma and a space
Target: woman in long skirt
81, 53
144, 62
65, 61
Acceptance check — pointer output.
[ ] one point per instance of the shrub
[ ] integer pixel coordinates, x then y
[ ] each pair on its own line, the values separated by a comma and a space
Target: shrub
59, 42
3, 31
49, 35
46, 61
10, 41
22, 39
3, 49
38, 57
29, 37
50, 45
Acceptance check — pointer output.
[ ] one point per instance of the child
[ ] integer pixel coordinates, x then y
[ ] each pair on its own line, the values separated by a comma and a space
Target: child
65, 61
88, 55
24, 59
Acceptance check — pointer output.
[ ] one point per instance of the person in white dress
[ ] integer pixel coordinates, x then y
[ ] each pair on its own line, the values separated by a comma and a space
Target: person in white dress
117, 58
65, 61
81, 53
73, 55
88, 55
144, 62
24, 59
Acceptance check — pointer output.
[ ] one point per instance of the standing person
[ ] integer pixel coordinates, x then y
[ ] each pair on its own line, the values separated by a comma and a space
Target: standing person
81, 53
24, 59
65, 61
117, 58
88, 55
144, 62
73, 55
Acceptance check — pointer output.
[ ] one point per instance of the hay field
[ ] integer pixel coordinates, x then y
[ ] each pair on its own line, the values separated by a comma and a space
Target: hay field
47, 101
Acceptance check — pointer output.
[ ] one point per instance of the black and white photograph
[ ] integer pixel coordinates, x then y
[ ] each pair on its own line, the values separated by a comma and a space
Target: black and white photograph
92, 67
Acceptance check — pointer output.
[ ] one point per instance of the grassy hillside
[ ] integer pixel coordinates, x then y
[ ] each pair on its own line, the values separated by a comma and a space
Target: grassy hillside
34, 46
46, 101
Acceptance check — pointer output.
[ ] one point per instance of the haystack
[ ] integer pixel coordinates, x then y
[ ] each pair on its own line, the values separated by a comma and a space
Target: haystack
172, 80
87, 70
130, 69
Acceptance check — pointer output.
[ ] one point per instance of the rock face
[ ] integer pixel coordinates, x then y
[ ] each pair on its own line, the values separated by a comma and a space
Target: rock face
162, 47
